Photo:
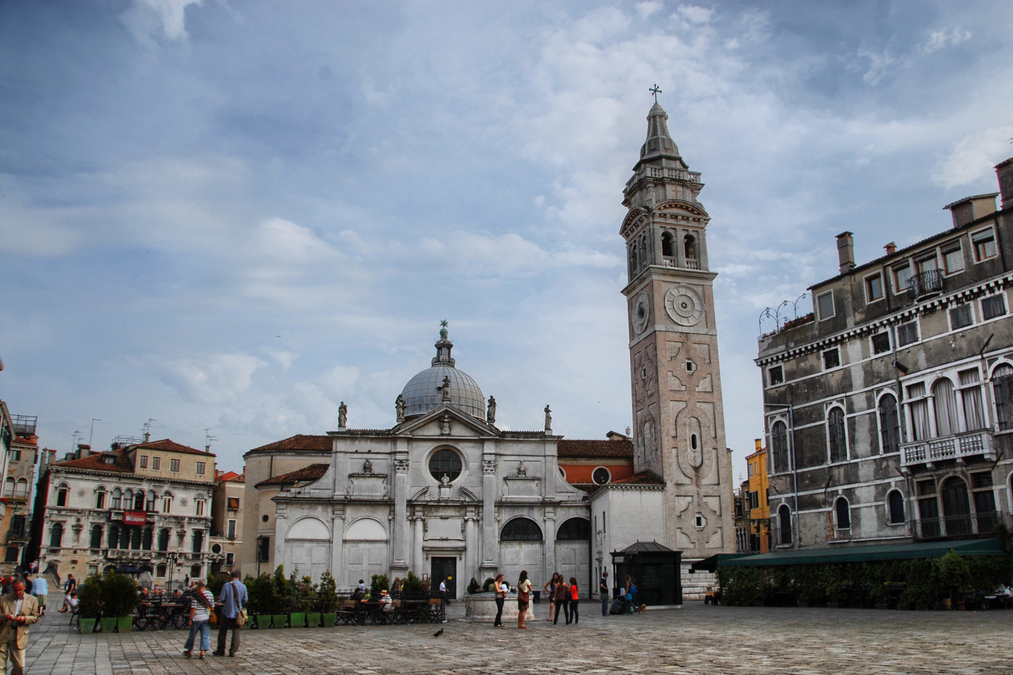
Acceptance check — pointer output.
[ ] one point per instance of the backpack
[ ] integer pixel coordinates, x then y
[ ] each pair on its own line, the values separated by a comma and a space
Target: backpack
562, 592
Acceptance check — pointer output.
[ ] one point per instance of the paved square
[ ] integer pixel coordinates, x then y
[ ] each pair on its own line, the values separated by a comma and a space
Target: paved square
695, 639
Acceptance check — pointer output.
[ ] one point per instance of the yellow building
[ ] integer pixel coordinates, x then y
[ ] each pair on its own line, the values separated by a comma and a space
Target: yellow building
758, 508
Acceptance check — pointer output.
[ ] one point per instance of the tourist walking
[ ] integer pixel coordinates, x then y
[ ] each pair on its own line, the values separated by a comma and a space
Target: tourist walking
498, 587
562, 600
603, 588
200, 619
523, 598
550, 593
631, 593
18, 610
40, 589
574, 601
233, 597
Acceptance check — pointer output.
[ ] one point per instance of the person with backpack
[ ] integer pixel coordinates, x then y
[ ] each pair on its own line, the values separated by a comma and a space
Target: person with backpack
233, 596
574, 601
523, 598
631, 593
562, 600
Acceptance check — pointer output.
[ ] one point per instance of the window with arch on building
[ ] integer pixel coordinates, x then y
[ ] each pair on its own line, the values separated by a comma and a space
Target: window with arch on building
521, 529
918, 404
100, 498
163, 539
200, 506
117, 497
9, 486
842, 514
946, 407
166, 503
56, 535
198, 541
149, 504
784, 525
836, 435
62, 495
779, 447
139, 500
574, 529
447, 463
96, 537
1002, 393
667, 244
895, 507
690, 250
889, 424
113, 541
128, 499
970, 399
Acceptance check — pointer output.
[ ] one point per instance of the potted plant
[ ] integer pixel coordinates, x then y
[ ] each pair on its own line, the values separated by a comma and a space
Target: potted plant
412, 584
327, 599
119, 600
304, 594
89, 598
282, 598
378, 583
261, 594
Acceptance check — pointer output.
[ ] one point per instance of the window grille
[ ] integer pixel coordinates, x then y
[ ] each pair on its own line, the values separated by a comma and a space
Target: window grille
521, 529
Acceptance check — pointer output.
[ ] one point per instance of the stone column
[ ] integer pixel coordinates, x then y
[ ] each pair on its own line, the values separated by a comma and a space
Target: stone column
490, 538
399, 539
280, 528
418, 559
337, 539
470, 557
550, 542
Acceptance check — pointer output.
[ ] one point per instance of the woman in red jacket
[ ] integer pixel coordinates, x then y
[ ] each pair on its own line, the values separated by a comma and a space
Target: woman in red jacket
574, 601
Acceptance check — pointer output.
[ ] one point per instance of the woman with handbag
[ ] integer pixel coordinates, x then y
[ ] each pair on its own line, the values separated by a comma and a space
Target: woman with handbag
498, 586
562, 599
523, 598
202, 613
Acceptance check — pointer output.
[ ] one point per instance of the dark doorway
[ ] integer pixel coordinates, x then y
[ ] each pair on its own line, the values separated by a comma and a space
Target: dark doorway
956, 508
444, 569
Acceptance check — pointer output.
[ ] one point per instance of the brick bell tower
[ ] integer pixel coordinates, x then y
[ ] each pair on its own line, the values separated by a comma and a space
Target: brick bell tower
679, 430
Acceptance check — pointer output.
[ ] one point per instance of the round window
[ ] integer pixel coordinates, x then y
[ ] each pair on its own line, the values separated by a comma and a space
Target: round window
216, 548
264, 518
445, 463
601, 476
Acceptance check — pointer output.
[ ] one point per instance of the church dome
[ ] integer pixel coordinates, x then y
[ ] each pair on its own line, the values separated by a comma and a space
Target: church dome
424, 392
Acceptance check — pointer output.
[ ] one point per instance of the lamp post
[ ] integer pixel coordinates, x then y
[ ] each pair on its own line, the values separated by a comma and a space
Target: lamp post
260, 546
172, 557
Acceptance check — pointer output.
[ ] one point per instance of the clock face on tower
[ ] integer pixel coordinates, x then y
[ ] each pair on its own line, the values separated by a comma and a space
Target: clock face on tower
684, 305
641, 312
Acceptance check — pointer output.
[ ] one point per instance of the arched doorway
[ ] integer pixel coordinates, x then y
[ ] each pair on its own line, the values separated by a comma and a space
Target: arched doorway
573, 550
521, 549
956, 508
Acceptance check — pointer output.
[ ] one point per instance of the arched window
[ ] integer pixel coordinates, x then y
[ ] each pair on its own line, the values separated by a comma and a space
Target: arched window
445, 462
146, 537
1002, 391
946, 408
970, 398
135, 538
62, 496
55, 535
96, 536
836, 436
163, 539
521, 529
842, 510
117, 498
114, 536
198, 541
9, 486
167, 503
689, 244
128, 499
956, 508
667, 244
895, 506
22, 488
779, 443
100, 497
889, 424
784, 525
139, 500
575, 529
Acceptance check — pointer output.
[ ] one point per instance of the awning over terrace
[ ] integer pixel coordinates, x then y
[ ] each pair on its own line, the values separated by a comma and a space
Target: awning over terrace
845, 554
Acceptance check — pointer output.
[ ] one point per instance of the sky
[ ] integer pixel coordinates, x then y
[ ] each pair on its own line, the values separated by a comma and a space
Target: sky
233, 216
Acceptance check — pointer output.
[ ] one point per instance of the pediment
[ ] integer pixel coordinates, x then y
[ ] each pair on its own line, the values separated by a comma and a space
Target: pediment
632, 221
681, 205
436, 422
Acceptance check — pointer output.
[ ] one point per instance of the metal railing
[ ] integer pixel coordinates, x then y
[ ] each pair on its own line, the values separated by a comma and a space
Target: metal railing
948, 447
924, 283
957, 527
688, 264
24, 425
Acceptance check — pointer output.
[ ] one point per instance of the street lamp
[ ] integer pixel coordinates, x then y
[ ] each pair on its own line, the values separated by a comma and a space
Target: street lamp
172, 557
260, 547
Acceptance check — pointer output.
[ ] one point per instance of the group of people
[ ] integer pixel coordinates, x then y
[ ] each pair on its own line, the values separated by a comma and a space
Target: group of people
563, 596
502, 588
231, 599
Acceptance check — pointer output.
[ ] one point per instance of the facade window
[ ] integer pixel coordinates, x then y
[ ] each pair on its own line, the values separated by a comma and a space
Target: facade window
831, 359
881, 343
445, 463
143, 461
601, 476
521, 529
233, 503
895, 507
574, 529
174, 465
984, 245
230, 559
150, 503
96, 536
231, 529
200, 506
960, 317
984, 501
902, 277
825, 305
146, 536
163, 539
970, 398
776, 375
927, 264
156, 463
198, 541
754, 500
907, 333
100, 499
928, 509
953, 258
946, 407
993, 306
779, 445
117, 498
139, 501
837, 436
873, 288
667, 244
1002, 392
842, 511
956, 507
689, 247
9, 487
56, 535
200, 468
919, 407
21, 489
18, 526
263, 549
62, 494
889, 424
784, 525
167, 504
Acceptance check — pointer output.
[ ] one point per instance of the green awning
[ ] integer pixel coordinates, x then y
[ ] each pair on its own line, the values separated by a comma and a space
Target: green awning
844, 554
715, 561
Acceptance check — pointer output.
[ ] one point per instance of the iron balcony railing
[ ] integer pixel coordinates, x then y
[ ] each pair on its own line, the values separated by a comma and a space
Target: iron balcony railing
24, 425
926, 283
688, 264
957, 527
968, 444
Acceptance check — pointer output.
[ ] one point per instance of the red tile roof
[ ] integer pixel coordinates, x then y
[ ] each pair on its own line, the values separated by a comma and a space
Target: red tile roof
231, 476
577, 449
170, 446
307, 474
299, 442
97, 463
643, 478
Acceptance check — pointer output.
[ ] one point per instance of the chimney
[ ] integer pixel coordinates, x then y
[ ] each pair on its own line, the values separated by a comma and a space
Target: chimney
83, 450
759, 444
891, 248
846, 252
1004, 170
147, 436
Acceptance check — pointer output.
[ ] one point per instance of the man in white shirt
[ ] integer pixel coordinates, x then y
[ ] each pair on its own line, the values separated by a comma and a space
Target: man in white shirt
40, 589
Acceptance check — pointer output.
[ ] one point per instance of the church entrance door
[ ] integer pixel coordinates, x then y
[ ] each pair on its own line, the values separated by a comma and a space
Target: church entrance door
444, 569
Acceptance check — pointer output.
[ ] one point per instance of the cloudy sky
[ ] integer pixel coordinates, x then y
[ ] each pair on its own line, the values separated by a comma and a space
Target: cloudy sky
235, 215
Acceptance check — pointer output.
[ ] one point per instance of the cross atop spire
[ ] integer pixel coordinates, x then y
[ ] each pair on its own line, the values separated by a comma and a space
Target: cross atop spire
655, 90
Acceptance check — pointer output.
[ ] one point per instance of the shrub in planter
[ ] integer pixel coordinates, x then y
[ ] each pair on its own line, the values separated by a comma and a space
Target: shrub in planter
327, 599
282, 592
261, 599
89, 599
378, 582
412, 584
304, 596
119, 599
473, 586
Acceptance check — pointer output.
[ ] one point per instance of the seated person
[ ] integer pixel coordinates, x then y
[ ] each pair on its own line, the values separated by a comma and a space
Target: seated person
69, 602
387, 601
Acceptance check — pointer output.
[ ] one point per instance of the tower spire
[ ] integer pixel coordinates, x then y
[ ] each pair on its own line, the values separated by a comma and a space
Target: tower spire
659, 142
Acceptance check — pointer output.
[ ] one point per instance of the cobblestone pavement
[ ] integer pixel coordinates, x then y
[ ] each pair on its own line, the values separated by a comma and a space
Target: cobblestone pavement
694, 639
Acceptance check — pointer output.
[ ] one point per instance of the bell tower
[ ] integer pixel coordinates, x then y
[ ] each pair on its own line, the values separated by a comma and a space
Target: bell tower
679, 430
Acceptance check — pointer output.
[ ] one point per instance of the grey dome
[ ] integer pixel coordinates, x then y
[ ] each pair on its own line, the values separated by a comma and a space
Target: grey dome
423, 392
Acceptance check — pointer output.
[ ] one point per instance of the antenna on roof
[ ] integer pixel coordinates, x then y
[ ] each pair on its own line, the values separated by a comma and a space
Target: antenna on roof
147, 429
208, 439
93, 421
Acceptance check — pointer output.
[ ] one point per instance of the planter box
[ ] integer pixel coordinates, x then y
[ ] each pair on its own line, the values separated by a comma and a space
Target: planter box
263, 621
298, 619
124, 624
330, 620
88, 625
108, 624
313, 619
280, 620
481, 607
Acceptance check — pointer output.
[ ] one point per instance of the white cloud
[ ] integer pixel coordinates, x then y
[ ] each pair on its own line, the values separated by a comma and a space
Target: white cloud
285, 241
213, 379
941, 39
646, 9
973, 157
694, 14
879, 64
146, 19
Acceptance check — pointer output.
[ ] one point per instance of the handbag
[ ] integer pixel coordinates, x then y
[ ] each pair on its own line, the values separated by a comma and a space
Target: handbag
212, 617
241, 615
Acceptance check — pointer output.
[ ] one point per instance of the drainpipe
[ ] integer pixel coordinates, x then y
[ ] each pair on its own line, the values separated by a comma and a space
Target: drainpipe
794, 464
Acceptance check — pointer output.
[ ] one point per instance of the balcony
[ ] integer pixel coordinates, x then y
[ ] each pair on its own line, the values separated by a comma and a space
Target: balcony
688, 264
925, 283
957, 527
973, 444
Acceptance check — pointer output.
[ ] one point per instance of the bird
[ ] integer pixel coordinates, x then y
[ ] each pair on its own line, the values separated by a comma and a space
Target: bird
438, 633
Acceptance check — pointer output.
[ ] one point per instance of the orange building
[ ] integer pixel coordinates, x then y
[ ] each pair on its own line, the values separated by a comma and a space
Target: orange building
757, 509
588, 464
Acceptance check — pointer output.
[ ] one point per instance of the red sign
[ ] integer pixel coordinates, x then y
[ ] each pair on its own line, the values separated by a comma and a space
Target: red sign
134, 517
